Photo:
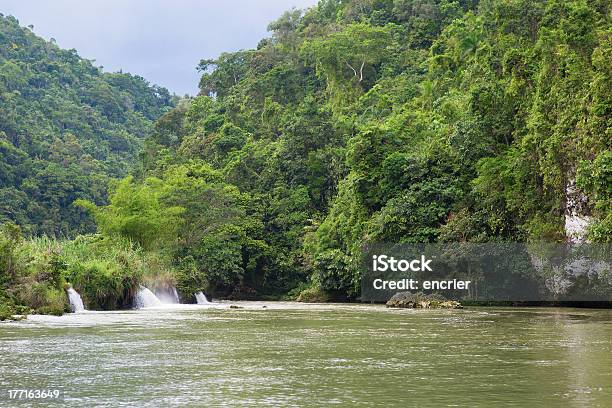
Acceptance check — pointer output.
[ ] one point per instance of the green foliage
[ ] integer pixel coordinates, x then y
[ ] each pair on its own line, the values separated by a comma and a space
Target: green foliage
596, 178
313, 294
7, 310
135, 213
66, 129
30, 279
10, 239
358, 121
219, 241
349, 59
107, 272
103, 285
406, 121
43, 298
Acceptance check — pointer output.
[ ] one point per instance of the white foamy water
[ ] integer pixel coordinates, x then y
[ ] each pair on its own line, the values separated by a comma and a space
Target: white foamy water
76, 303
145, 298
168, 295
201, 299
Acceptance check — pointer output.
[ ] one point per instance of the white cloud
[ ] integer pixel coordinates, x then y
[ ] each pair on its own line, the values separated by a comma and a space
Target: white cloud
161, 40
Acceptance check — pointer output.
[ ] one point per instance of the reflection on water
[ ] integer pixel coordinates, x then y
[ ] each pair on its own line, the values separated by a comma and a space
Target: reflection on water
287, 354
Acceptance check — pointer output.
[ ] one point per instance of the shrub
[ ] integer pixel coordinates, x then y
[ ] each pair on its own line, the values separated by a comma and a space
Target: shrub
42, 298
7, 308
313, 294
103, 284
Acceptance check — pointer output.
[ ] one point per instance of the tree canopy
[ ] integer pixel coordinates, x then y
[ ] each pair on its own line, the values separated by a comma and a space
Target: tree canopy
356, 122
66, 128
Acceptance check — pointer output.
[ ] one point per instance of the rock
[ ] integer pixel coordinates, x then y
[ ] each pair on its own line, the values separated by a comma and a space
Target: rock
235, 307
313, 294
419, 300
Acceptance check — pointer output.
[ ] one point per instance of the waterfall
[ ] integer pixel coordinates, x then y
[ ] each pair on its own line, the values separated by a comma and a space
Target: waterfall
145, 298
167, 295
201, 298
76, 303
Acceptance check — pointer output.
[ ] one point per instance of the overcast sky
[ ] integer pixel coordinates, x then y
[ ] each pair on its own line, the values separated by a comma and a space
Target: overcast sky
161, 40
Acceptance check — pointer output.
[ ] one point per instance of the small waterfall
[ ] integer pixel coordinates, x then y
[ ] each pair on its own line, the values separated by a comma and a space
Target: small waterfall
76, 303
145, 298
168, 295
201, 299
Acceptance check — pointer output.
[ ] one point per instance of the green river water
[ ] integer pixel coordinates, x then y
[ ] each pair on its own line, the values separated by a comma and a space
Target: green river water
288, 354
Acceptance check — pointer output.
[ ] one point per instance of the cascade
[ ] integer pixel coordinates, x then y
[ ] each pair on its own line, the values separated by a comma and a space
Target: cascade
201, 299
167, 295
76, 303
145, 298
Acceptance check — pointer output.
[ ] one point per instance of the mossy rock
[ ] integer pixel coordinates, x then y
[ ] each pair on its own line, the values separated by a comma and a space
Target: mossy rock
51, 310
313, 294
408, 300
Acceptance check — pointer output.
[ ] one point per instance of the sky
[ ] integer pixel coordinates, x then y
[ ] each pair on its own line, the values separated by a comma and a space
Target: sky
160, 40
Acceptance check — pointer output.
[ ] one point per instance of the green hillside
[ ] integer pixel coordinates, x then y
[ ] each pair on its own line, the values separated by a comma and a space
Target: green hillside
388, 121
65, 129
356, 122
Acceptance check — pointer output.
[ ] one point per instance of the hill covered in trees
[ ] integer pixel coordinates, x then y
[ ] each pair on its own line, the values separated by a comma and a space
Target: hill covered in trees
66, 128
384, 121
356, 122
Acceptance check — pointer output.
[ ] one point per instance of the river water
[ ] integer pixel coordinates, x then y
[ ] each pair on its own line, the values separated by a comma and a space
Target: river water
288, 354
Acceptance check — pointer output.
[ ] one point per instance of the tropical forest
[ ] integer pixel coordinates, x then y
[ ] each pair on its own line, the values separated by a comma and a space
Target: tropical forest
353, 122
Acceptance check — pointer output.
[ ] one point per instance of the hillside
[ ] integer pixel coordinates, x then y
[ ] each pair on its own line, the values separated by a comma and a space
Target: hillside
356, 122
66, 128
387, 121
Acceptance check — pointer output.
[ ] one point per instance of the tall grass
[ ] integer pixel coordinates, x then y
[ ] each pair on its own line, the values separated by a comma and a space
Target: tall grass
106, 272
34, 281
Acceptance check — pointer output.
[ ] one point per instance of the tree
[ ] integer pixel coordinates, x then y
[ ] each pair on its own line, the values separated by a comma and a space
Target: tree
348, 59
135, 212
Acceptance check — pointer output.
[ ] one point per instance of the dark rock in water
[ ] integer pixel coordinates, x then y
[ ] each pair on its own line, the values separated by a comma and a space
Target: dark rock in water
422, 301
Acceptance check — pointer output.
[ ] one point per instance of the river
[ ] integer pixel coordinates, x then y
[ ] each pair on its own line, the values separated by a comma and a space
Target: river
289, 354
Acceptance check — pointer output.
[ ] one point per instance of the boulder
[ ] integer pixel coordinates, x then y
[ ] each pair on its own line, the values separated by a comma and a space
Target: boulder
422, 301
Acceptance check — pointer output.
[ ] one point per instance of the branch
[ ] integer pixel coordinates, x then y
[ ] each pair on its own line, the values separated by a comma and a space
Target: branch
361, 71
349, 65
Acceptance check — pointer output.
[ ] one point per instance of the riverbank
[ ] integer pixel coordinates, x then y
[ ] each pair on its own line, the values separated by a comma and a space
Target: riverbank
8, 316
103, 272
36, 274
